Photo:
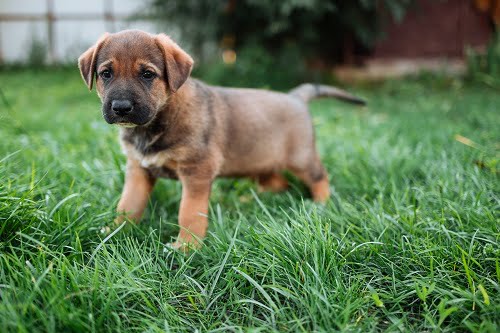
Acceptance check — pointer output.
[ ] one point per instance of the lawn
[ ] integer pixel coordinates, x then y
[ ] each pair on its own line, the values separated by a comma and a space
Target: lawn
409, 242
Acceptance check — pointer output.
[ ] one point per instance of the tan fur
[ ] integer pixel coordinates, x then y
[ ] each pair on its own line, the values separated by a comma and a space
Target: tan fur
136, 191
178, 62
274, 182
87, 61
198, 132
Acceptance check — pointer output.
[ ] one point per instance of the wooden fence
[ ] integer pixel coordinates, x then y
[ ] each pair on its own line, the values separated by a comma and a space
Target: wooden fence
107, 14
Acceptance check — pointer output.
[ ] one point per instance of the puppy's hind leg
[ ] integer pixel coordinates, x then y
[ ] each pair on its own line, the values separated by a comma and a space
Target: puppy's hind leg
272, 182
316, 178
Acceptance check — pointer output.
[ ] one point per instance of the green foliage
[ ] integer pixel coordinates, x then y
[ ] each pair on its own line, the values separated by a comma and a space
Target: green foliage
37, 53
409, 242
255, 67
485, 66
320, 28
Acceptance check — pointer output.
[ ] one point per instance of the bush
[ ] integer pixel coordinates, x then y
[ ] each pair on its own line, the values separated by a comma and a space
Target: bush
320, 27
256, 67
485, 66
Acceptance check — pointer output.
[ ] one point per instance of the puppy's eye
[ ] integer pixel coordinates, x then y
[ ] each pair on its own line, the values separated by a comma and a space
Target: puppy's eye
148, 75
106, 74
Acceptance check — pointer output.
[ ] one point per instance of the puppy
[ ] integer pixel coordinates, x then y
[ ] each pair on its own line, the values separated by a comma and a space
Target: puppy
177, 127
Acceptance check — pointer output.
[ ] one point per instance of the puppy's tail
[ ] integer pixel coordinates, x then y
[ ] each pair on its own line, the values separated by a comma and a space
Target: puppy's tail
308, 91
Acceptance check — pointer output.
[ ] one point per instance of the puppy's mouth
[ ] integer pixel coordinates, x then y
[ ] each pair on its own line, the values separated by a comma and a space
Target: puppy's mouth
126, 125
138, 118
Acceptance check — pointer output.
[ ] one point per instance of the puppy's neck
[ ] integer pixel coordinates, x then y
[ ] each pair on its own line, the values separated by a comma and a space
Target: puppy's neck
171, 126
180, 100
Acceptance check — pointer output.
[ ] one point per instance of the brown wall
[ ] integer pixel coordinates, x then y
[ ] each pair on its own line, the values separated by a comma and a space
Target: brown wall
435, 28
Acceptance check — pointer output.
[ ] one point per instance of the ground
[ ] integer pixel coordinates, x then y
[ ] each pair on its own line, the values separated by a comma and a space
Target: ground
408, 242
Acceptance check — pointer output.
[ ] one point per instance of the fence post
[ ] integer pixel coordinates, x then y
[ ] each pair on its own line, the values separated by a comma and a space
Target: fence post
50, 32
1, 43
108, 16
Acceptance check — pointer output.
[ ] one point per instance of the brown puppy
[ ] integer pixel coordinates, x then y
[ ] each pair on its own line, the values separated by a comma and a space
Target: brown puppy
177, 127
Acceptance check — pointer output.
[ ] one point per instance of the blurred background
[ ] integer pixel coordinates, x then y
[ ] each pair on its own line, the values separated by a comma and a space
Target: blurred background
271, 43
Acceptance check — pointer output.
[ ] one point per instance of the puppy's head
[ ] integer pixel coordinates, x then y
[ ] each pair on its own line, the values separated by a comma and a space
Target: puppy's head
135, 72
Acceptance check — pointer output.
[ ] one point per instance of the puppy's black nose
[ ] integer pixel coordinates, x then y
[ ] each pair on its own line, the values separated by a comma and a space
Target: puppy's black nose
121, 107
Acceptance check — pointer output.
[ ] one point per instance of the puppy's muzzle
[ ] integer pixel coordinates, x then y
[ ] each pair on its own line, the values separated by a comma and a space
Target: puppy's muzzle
122, 107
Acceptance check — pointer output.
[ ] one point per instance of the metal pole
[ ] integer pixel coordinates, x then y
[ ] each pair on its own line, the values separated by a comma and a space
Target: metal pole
1, 52
108, 15
50, 31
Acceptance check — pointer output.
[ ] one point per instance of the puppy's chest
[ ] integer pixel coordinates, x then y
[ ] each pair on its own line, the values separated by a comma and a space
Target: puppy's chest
153, 154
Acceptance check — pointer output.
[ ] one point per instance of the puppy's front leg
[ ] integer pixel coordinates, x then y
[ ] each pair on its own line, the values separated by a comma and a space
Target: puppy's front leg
138, 186
193, 219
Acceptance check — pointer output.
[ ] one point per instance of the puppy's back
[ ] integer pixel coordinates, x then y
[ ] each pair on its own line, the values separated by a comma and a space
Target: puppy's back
262, 129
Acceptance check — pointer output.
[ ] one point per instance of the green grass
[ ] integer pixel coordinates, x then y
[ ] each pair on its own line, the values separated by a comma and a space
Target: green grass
409, 241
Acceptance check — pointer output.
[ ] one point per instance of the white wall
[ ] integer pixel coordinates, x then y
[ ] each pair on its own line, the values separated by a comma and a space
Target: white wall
71, 37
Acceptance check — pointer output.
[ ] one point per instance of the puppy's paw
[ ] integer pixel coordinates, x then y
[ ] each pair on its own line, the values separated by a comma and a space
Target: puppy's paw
184, 247
119, 223
172, 246
122, 218
321, 191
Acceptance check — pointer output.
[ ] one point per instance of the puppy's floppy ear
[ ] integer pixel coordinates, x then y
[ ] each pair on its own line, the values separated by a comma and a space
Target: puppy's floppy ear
87, 61
178, 63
